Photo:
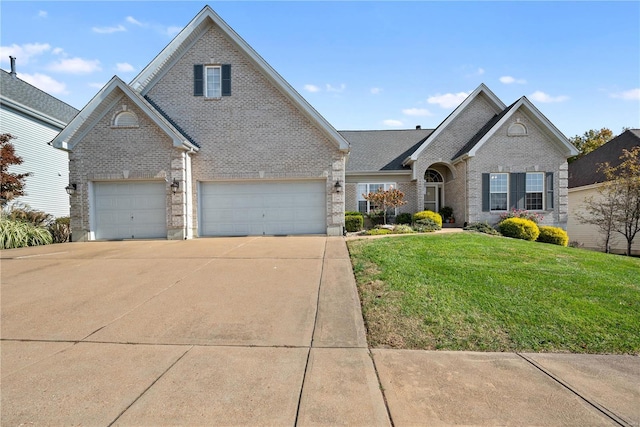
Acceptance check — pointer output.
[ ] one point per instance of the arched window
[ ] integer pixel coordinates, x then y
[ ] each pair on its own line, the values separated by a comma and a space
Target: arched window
432, 175
125, 119
517, 129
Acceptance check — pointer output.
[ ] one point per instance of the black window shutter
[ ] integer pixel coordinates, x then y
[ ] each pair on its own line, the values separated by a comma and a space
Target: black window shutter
226, 80
517, 190
485, 192
549, 186
198, 80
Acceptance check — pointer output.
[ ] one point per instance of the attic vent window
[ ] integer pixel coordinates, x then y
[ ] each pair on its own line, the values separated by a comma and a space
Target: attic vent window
517, 129
125, 119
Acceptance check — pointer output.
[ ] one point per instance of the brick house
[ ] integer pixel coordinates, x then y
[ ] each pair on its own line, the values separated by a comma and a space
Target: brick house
209, 140
482, 160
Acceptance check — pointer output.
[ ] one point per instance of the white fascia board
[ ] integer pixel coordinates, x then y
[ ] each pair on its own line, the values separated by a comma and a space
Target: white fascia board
32, 113
498, 104
586, 187
382, 173
270, 73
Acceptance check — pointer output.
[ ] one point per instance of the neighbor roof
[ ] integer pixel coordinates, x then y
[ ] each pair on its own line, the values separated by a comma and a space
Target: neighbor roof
382, 150
23, 96
584, 171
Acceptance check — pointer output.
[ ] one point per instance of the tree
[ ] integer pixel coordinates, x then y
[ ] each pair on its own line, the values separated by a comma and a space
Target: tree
617, 209
591, 140
11, 184
381, 199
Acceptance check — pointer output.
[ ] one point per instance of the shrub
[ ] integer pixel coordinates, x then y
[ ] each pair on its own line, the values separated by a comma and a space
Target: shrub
403, 218
428, 215
402, 229
446, 212
482, 227
22, 212
18, 234
353, 223
353, 213
376, 217
60, 229
426, 225
553, 235
519, 228
378, 231
521, 213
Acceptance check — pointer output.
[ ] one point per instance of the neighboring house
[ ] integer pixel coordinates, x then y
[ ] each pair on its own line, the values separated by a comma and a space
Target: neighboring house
584, 181
35, 118
208, 140
486, 158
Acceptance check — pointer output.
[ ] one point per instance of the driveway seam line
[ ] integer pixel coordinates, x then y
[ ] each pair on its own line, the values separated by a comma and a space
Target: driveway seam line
607, 413
313, 333
384, 396
149, 387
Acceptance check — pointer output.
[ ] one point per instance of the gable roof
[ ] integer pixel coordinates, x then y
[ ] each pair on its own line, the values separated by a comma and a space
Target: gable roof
30, 100
144, 81
496, 122
482, 89
382, 150
102, 102
584, 171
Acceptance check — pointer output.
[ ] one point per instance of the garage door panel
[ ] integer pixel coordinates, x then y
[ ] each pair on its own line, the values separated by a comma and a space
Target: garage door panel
126, 210
282, 207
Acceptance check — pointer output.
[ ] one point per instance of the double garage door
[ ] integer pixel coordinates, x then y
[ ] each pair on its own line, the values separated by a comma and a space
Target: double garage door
262, 208
130, 210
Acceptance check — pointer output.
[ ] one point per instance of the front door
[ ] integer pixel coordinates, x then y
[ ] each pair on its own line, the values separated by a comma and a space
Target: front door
432, 197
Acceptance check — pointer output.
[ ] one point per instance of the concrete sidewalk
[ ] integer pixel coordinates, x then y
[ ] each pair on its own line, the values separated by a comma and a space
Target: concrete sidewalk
255, 331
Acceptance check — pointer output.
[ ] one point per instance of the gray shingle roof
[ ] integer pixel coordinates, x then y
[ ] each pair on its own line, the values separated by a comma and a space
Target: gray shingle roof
584, 171
30, 96
382, 150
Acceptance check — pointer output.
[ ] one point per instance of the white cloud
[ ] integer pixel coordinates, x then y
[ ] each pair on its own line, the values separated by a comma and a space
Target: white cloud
338, 89
392, 123
109, 30
421, 112
448, 100
124, 67
96, 85
58, 51
134, 21
172, 30
510, 80
540, 96
311, 88
376, 90
76, 66
45, 83
628, 95
23, 53
42, 14
480, 71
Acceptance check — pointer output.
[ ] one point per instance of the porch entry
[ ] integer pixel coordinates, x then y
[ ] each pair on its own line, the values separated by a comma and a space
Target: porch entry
433, 190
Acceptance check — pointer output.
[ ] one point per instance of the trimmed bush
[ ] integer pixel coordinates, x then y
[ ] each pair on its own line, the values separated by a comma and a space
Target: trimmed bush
18, 234
378, 231
482, 227
426, 225
403, 218
435, 217
553, 235
519, 228
353, 213
353, 223
402, 229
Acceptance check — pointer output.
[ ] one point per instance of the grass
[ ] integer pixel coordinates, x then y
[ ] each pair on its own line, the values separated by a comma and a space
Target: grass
470, 291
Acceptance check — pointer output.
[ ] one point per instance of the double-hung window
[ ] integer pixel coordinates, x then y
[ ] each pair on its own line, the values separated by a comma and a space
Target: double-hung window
365, 206
498, 190
534, 191
213, 81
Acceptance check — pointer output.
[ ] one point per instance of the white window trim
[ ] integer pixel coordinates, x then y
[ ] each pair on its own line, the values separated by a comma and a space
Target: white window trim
542, 192
493, 192
206, 78
360, 198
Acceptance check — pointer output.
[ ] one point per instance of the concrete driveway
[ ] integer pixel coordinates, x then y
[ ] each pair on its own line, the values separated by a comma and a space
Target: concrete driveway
255, 331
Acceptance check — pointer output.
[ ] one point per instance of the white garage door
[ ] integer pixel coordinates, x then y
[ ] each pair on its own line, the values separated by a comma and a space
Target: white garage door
130, 210
264, 208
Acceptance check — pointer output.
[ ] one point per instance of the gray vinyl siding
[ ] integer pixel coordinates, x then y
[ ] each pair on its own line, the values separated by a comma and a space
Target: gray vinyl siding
49, 166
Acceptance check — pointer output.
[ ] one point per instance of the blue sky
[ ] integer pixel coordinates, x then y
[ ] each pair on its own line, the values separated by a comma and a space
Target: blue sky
362, 65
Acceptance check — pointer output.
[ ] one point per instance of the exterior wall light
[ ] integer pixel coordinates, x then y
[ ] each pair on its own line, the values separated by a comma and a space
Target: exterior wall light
71, 189
175, 185
338, 187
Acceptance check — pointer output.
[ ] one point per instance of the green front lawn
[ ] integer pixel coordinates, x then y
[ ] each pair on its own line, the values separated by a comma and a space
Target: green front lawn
468, 291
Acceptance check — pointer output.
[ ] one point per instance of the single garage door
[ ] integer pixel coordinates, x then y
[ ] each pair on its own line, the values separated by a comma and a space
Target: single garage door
262, 208
130, 210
